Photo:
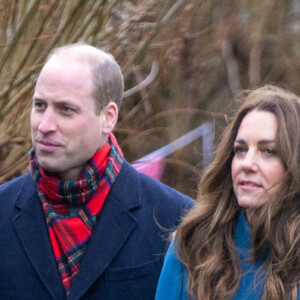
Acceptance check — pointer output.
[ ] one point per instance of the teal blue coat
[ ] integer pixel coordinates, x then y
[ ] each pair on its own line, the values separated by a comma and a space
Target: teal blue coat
173, 279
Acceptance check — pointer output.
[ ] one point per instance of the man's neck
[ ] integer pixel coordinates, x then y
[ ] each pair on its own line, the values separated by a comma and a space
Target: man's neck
69, 175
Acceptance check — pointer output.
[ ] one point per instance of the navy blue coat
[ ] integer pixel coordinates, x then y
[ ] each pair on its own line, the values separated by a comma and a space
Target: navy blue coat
125, 254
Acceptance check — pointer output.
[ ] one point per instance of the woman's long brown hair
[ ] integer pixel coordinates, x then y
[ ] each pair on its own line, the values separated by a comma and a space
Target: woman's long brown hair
206, 238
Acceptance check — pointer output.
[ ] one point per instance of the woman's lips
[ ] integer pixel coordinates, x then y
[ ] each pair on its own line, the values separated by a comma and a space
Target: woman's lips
249, 185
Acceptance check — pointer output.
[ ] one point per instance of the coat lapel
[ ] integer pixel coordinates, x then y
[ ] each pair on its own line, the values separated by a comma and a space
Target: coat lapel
113, 228
30, 225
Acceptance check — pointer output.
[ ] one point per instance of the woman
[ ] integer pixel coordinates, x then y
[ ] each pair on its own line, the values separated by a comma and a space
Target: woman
242, 239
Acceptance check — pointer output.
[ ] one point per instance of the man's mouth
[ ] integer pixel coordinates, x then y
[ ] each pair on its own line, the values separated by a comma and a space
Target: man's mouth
47, 145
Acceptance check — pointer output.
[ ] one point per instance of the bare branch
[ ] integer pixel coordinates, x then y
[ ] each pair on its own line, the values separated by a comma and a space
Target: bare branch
153, 73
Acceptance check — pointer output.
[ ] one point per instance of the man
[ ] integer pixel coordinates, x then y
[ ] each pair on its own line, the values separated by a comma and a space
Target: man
83, 224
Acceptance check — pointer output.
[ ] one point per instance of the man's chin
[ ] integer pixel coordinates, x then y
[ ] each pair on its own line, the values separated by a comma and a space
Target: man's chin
50, 165
60, 170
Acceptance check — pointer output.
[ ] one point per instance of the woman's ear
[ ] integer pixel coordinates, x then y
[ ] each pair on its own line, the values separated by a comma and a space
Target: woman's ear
110, 117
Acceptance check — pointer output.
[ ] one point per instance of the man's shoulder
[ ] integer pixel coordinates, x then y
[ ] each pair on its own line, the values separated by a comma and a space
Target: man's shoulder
151, 189
18, 189
16, 185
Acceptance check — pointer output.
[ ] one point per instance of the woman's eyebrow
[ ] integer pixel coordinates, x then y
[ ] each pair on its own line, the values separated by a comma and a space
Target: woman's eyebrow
263, 141
240, 141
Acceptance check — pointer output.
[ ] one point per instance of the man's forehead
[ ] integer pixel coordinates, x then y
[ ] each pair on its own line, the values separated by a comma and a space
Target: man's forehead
84, 54
62, 62
66, 68
65, 77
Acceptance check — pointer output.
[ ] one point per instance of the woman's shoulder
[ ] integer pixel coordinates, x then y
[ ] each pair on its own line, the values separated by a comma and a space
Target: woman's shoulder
173, 278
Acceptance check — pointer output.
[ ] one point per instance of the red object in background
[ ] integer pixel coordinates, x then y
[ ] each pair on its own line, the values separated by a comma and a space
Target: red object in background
153, 163
153, 168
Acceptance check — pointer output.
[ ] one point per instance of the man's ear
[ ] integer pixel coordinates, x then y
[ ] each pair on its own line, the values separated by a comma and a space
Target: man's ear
110, 117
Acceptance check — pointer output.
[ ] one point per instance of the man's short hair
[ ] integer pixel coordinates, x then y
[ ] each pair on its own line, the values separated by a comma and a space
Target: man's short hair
108, 83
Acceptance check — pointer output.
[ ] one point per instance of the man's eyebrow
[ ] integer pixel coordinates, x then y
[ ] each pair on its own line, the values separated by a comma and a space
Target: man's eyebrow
67, 103
36, 99
57, 103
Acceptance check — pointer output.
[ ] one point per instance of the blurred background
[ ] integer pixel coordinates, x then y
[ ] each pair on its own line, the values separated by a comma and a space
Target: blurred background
183, 64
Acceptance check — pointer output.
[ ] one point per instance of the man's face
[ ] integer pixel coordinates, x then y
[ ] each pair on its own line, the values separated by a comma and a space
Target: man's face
65, 130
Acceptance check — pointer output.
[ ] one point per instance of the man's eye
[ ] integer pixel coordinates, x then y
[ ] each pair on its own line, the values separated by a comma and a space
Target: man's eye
67, 110
38, 105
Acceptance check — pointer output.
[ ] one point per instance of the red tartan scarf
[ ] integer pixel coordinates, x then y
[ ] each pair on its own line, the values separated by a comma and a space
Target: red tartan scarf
71, 207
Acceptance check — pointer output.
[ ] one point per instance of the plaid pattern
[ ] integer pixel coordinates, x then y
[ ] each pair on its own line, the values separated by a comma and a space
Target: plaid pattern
71, 207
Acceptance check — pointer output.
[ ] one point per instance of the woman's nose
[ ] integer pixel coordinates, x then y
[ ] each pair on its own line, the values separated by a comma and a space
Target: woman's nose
250, 162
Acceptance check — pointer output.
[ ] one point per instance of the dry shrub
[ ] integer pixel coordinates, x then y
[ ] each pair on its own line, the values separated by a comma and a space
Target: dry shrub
201, 53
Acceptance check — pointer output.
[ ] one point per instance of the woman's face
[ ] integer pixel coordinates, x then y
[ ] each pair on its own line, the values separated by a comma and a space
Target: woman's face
256, 167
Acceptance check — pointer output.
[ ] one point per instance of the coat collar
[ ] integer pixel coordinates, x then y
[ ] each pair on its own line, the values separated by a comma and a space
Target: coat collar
114, 226
127, 187
30, 225
127, 183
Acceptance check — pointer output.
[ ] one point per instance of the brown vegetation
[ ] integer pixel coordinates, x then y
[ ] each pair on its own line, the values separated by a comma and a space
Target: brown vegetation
204, 53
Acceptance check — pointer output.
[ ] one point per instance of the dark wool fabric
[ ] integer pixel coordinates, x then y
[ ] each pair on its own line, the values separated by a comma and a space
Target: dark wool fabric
71, 207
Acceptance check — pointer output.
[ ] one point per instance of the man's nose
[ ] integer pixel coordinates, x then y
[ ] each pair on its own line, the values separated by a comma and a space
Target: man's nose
48, 122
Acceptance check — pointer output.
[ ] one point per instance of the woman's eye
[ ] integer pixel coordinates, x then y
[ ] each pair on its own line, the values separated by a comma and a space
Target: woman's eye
270, 152
239, 150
